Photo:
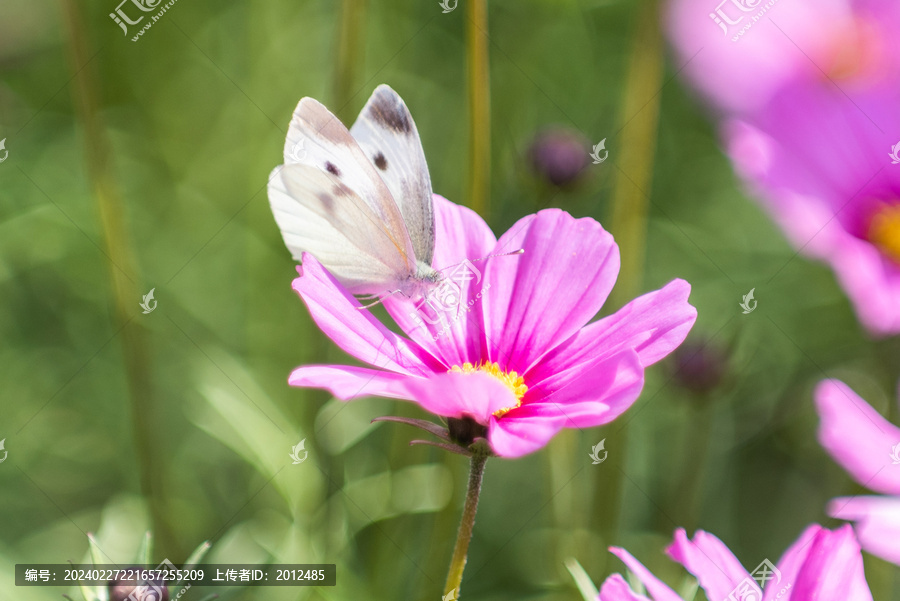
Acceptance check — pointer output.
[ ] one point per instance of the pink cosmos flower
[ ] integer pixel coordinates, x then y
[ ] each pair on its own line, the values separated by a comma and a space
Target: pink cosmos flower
821, 164
868, 447
821, 565
516, 360
809, 95
739, 53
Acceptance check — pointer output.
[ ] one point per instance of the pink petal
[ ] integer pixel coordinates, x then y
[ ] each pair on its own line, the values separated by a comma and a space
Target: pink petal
460, 233
657, 589
742, 75
653, 325
348, 383
877, 523
594, 393
456, 337
857, 437
817, 163
790, 564
833, 569
538, 299
524, 430
455, 394
710, 561
615, 588
355, 330
871, 281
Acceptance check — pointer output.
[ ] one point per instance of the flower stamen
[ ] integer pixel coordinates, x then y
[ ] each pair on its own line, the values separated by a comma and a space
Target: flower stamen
884, 231
511, 379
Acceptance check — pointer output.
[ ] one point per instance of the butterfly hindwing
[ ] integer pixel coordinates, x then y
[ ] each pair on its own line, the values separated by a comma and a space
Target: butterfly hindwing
318, 214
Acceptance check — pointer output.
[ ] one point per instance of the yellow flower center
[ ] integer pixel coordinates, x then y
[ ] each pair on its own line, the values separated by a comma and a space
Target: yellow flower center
854, 51
513, 381
884, 231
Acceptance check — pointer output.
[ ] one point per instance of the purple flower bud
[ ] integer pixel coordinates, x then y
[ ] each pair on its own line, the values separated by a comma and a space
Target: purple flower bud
559, 156
699, 365
135, 589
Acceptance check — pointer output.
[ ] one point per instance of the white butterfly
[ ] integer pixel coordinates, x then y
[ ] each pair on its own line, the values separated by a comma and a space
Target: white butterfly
359, 200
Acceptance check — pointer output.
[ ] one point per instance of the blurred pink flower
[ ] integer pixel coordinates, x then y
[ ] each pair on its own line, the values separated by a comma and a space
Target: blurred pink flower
821, 165
868, 447
738, 72
821, 565
808, 96
518, 356
739, 53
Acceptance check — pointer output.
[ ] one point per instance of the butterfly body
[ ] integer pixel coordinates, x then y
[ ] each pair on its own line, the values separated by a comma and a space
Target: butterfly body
425, 278
359, 200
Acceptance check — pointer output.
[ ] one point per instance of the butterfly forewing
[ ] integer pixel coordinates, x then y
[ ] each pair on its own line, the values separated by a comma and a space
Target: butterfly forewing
387, 134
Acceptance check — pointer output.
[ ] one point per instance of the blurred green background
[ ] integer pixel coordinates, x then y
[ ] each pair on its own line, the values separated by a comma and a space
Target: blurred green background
143, 165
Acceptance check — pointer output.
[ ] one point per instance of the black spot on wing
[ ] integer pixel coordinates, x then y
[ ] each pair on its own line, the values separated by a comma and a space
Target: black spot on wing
327, 204
332, 169
391, 114
380, 161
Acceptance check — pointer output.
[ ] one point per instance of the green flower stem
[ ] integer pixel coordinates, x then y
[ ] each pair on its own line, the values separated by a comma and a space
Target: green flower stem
635, 151
350, 45
123, 273
696, 462
466, 524
479, 91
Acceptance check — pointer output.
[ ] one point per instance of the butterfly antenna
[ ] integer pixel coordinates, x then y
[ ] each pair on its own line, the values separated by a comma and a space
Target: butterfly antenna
521, 251
378, 301
514, 252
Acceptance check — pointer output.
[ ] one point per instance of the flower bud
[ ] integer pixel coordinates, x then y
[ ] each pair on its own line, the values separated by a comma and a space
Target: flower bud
135, 589
559, 156
699, 366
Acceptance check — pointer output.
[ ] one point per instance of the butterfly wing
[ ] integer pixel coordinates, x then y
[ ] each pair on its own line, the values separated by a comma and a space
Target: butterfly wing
320, 215
329, 201
388, 136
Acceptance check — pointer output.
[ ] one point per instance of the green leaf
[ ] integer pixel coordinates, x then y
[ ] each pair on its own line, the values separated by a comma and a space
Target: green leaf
582, 580
145, 552
194, 559
688, 589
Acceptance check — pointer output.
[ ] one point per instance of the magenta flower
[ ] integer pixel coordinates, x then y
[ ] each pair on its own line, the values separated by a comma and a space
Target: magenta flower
868, 447
737, 53
809, 92
823, 168
513, 356
821, 565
